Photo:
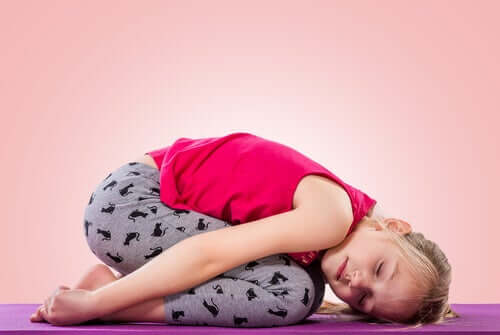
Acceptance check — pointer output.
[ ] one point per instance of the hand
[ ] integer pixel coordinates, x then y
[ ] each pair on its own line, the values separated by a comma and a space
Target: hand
66, 307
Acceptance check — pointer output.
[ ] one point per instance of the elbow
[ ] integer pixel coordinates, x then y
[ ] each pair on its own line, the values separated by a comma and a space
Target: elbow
203, 248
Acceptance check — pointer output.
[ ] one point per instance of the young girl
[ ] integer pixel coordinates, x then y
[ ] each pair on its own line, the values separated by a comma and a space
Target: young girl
241, 231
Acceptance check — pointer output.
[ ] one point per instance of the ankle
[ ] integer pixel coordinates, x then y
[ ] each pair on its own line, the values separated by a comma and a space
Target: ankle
97, 276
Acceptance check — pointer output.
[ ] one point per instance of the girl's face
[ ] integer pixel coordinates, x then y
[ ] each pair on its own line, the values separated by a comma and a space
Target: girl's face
375, 273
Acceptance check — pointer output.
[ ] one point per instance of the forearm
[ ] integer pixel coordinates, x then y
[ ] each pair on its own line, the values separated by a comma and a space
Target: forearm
176, 269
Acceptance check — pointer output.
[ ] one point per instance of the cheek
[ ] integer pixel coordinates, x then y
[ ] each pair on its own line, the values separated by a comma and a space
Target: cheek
339, 292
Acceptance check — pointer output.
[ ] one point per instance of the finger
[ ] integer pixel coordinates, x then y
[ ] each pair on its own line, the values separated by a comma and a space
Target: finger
36, 317
43, 313
45, 309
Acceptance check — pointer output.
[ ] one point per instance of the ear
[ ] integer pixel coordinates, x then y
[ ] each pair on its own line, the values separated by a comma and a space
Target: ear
398, 225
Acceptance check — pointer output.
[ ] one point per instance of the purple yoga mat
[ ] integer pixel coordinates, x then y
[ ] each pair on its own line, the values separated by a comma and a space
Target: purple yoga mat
475, 319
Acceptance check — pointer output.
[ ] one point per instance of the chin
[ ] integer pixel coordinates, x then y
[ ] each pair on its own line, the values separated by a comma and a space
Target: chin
335, 292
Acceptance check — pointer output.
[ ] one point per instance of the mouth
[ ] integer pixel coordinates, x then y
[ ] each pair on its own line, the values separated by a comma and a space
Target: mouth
341, 268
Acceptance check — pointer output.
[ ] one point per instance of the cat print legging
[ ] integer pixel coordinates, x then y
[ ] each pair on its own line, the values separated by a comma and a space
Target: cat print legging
126, 225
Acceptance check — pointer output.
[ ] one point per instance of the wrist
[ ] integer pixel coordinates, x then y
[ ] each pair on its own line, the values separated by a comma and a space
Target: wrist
97, 306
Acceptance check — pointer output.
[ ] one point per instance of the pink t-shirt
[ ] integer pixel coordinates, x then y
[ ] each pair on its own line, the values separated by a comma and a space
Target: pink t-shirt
240, 178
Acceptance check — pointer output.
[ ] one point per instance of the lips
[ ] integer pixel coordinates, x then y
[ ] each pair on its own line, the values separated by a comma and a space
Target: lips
341, 269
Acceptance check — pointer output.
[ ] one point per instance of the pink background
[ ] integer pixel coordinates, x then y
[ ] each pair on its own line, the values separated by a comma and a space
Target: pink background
399, 99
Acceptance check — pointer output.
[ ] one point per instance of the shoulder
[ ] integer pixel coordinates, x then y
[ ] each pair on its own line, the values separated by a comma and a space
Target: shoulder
320, 193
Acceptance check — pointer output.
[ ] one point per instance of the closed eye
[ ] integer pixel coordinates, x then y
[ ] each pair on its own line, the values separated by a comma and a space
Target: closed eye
361, 300
364, 296
380, 267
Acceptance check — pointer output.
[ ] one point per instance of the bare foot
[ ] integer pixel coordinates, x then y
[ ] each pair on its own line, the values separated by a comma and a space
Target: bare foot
97, 276
100, 275
148, 311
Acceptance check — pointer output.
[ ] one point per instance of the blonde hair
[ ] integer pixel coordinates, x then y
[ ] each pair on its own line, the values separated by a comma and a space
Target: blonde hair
431, 272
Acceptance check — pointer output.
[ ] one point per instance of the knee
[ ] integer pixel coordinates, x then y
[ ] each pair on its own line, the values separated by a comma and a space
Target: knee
305, 304
301, 297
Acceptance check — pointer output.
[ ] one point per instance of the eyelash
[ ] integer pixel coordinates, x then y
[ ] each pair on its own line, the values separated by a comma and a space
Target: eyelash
377, 272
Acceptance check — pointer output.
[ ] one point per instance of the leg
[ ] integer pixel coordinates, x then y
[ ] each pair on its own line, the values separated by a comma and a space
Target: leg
267, 292
126, 225
97, 276
125, 222
149, 311
271, 291
100, 275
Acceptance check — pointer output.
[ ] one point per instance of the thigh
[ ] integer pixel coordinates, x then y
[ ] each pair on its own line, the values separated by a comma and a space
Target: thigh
126, 224
271, 291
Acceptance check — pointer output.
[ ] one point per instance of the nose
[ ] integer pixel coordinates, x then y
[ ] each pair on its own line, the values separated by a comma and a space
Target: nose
356, 279
359, 284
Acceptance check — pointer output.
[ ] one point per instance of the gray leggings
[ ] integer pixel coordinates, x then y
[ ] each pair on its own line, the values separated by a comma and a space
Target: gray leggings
126, 225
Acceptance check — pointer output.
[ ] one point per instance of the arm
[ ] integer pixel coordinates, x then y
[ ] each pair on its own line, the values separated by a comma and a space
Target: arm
177, 268
187, 264
204, 256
